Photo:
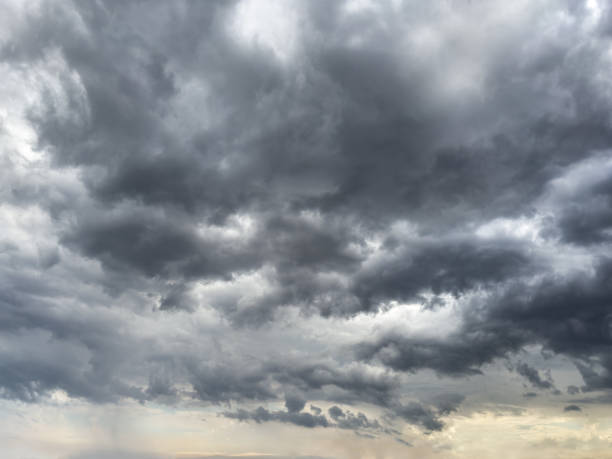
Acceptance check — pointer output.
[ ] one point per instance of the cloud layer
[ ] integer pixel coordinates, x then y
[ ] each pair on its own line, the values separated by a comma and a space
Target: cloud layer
206, 206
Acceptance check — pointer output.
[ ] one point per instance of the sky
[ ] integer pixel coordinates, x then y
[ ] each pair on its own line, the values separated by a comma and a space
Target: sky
306, 229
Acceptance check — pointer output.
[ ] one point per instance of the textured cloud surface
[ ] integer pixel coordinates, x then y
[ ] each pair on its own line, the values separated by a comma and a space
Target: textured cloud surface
231, 226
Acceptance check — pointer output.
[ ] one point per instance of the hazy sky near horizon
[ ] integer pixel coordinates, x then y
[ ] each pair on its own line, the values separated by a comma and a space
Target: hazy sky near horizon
305, 229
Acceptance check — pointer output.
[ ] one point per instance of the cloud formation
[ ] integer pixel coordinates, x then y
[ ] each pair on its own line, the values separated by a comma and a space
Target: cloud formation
205, 208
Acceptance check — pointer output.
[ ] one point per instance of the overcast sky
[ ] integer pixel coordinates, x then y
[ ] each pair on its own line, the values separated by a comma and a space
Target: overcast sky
306, 229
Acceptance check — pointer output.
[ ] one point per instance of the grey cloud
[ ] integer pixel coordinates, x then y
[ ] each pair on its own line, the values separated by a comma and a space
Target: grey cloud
415, 413
156, 247
48, 346
340, 419
452, 267
48, 257
335, 412
409, 172
587, 218
352, 421
429, 417
294, 403
460, 354
350, 384
263, 415
572, 408
217, 382
448, 403
224, 383
566, 316
199, 159
533, 376
576, 315
177, 298
88, 353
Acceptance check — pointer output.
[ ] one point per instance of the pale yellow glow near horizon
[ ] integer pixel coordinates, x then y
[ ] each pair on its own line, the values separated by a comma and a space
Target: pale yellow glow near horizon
77, 427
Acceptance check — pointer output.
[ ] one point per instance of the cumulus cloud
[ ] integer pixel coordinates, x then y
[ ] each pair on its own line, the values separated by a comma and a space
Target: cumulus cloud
202, 208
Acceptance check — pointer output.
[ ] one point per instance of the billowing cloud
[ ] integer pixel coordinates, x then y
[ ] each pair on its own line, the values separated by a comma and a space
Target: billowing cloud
297, 221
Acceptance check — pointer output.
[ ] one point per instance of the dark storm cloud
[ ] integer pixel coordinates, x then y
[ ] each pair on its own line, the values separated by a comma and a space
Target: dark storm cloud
428, 417
415, 413
201, 158
460, 354
65, 364
97, 360
158, 246
452, 267
49, 347
358, 139
321, 380
340, 419
335, 412
406, 169
351, 385
568, 316
587, 218
352, 421
29, 381
294, 403
533, 376
230, 382
447, 403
